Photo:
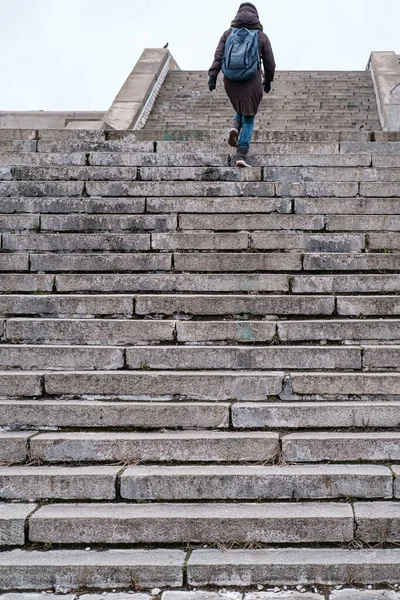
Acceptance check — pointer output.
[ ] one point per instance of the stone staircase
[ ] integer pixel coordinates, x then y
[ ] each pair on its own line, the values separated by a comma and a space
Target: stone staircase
199, 365
300, 100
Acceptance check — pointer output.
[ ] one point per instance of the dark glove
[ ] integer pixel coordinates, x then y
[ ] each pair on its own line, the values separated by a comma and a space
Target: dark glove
267, 87
212, 83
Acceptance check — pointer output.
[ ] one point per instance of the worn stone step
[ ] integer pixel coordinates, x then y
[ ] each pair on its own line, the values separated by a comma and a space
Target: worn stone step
70, 205
14, 262
321, 189
378, 147
198, 523
12, 523
337, 209
58, 242
342, 330
252, 483
151, 188
89, 331
21, 384
222, 332
233, 305
378, 358
316, 415
341, 447
67, 306
58, 483
369, 305
169, 282
351, 262
37, 570
36, 159
346, 384
92, 414
200, 174
378, 522
14, 446
17, 223
285, 144
319, 242
222, 205
75, 173
233, 358
345, 284
107, 223
305, 566
384, 241
251, 222
63, 358
200, 241
336, 174
195, 385
113, 262
128, 448
236, 262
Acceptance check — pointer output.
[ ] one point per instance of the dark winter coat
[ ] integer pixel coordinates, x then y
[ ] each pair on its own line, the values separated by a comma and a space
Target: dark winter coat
246, 96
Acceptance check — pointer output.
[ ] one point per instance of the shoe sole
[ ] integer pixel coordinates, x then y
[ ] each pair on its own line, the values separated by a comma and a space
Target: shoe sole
242, 164
233, 139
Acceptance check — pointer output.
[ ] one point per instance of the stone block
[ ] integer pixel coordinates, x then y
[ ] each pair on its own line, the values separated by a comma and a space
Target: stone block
58, 483
369, 305
320, 189
379, 222
396, 473
310, 415
77, 242
351, 594
351, 262
13, 446
197, 523
384, 241
314, 160
67, 135
251, 222
291, 595
169, 188
345, 284
127, 159
36, 159
204, 205
341, 447
19, 222
42, 188
14, 262
5, 174
311, 243
12, 523
256, 483
99, 414
197, 595
339, 330
225, 331
234, 358
391, 148
20, 383
360, 384
78, 307
83, 206
182, 283
60, 358
92, 332
304, 566
94, 146
271, 147
200, 241
100, 262
77, 569
25, 283
381, 358
193, 446
225, 262
234, 305
380, 190
385, 160
318, 174
199, 174
75, 173
108, 223
346, 206
378, 522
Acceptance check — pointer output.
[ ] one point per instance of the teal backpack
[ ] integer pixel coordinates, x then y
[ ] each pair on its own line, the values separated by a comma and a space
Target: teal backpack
241, 60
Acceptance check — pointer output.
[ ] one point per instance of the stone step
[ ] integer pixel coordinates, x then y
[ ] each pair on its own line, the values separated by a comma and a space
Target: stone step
316, 415
334, 208
66, 358
14, 445
92, 414
12, 523
345, 384
368, 306
305, 566
67, 306
233, 358
233, 305
378, 522
341, 447
346, 284
75, 243
254, 222
68, 206
255, 483
133, 448
113, 262
339, 330
21, 384
58, 483
36, 570
197, 523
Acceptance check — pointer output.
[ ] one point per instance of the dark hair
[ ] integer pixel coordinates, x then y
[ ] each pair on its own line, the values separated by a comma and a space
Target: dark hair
247, 4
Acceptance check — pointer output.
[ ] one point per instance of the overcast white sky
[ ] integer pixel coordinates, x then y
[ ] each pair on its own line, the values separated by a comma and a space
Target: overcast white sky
75, 54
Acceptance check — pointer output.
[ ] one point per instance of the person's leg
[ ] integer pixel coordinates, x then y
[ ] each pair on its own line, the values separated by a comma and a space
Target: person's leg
234, 132
245, 140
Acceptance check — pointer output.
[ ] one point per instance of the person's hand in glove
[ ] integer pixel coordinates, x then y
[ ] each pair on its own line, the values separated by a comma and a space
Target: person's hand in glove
267, 87
212, 83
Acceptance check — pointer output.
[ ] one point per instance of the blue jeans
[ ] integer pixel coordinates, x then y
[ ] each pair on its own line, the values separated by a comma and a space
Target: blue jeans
245, 126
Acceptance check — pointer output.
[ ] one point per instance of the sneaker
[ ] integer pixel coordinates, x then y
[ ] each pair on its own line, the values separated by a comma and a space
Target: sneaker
233, 139
242, 161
